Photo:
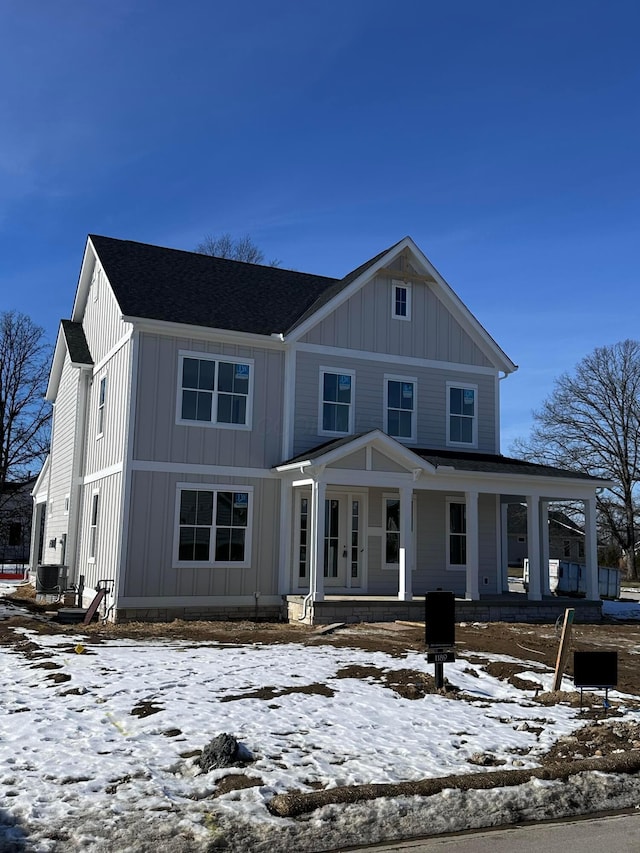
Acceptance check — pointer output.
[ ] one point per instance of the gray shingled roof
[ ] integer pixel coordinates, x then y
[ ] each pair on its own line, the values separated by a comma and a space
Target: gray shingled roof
187, 287
487, 463
77, 345
491, 463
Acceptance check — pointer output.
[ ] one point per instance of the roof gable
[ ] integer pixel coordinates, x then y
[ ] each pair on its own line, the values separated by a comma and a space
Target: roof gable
71, 340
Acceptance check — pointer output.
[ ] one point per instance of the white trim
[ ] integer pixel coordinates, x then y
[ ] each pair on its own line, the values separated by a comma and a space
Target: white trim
217, 359
406, 286
114, 349
390, 377
125, 492
212, 563
204, 470
101, 474
289, 402
390, 358
440, 288
323, 370
462, 386
206, 333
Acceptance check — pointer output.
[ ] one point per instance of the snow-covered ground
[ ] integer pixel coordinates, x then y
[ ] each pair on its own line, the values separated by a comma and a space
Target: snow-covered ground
97, 743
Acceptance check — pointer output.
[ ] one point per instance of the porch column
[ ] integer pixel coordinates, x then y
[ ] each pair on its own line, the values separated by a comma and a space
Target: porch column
544, 547
473, 551
533, 547
285, 581
318, 493
504, 547
406, 556
591, 550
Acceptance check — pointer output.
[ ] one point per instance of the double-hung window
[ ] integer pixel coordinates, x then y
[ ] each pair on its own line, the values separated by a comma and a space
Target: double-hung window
400, 300
456, 534
215, 391
213, 526
400, 419
337, 388
462, 421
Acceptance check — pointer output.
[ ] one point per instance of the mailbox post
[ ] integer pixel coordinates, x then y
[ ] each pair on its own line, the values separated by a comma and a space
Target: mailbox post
440, 631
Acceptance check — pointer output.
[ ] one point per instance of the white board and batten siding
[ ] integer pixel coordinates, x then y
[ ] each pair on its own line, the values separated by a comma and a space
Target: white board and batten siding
431, 395
106, 445
103, 565
102, 318
364, 322
64, 447
159, 437
153, 528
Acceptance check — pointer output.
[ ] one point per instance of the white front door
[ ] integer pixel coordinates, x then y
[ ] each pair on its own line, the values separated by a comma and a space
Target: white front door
344, 541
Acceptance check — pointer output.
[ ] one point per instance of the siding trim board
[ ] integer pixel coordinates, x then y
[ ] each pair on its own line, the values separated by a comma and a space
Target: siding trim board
390, 358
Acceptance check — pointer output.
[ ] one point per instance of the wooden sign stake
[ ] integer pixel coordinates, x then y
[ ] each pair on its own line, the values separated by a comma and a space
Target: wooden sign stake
563, 651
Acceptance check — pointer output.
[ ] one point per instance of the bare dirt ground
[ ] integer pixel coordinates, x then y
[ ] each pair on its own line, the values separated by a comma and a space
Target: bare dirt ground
525, 643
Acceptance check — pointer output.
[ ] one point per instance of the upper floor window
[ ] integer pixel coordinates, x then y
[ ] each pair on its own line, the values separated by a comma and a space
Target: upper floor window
461, 414
213, 526
215, 391
400, 407
400, 300
102, 396
336, 401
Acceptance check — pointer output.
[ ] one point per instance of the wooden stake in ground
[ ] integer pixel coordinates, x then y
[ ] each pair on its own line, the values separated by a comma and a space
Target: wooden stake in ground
563, 651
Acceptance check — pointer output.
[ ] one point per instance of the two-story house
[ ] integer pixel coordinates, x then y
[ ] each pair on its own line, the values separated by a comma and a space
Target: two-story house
228, 437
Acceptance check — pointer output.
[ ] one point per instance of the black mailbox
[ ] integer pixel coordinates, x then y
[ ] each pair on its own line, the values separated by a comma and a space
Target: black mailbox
595, 669
440, 619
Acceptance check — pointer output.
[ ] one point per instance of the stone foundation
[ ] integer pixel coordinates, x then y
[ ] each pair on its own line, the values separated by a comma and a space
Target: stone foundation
508, 609
272, 613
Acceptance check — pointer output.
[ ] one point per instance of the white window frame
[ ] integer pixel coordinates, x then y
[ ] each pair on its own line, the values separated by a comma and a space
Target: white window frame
406, 286
321, 401
413, 438
390, 496
94, 525
451, 567
102, 398
463, 386
212, 563
217, 358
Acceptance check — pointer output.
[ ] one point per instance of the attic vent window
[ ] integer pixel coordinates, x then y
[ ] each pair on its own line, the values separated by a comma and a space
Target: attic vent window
400, 300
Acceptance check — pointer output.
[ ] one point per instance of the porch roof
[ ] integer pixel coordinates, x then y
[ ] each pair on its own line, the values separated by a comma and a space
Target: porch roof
436, 459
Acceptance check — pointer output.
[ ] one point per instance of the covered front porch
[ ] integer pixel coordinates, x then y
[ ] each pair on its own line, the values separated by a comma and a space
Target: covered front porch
367, 523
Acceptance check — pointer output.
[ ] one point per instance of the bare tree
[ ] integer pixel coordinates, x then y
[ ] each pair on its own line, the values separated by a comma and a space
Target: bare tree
239, 249
24, 414
591, 423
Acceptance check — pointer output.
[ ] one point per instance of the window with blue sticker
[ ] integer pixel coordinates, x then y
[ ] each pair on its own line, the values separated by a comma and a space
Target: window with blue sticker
214, 391
462, 415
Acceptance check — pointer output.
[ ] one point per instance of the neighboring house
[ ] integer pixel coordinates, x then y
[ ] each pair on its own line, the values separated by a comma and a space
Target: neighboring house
15, 521
226, 435
566, 538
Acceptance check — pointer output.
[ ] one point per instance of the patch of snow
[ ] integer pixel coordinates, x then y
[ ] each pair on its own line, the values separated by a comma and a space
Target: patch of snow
82, 770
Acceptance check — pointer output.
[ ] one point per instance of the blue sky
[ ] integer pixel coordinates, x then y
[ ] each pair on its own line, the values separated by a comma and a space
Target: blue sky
504, 137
